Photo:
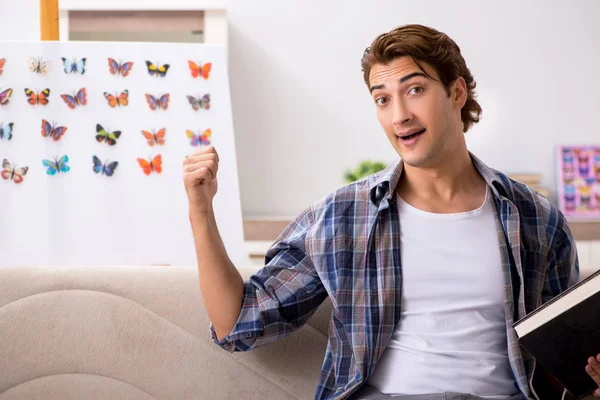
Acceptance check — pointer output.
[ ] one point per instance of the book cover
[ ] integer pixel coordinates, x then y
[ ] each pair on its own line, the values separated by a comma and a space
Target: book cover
564, 333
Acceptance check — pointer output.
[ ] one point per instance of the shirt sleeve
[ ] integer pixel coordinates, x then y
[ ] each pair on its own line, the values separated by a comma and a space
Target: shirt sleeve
562, 270
280, 297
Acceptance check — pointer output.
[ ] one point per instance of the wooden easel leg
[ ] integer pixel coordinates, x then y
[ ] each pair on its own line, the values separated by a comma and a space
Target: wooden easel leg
49, 20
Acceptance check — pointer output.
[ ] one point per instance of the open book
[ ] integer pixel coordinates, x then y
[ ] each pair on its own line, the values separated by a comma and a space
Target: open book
563, 333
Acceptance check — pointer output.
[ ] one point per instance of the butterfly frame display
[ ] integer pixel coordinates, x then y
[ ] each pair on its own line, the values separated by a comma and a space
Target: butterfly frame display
578, 183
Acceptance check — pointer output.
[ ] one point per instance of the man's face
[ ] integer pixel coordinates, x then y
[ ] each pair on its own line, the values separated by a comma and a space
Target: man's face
419, 118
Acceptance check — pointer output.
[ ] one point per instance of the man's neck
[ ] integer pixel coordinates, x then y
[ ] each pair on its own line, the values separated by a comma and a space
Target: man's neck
451, 185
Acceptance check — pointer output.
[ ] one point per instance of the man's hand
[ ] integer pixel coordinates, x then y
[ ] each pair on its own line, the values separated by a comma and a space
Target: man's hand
200, 178
593, 370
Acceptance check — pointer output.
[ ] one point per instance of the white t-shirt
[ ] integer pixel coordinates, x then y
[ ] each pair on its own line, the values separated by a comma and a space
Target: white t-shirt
452, 331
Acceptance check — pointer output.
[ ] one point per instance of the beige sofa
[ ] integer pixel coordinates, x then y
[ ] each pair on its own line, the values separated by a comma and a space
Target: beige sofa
136, 333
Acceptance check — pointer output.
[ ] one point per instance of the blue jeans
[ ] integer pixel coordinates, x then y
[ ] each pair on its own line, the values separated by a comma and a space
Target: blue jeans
368, 392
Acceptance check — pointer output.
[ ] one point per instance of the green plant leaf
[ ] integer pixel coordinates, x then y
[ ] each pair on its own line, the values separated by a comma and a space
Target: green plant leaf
364, 168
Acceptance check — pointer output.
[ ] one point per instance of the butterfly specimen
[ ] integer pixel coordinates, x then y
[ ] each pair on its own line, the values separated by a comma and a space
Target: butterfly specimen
59, 165
11, 172
4, 96
39, 65
34, 98
2, 62
199, 102
155, 137
122, 69
79, 99
201, 139
156, 70
153, 165
108, 137
107, 168
53, 131
158, 103
6, 131
74, 66
117, 100
199, 69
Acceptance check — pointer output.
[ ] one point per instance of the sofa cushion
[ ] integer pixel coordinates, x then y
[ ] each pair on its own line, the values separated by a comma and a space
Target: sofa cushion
136, 332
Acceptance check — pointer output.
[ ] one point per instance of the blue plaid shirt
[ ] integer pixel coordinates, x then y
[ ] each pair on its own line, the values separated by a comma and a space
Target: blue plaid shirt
347, 247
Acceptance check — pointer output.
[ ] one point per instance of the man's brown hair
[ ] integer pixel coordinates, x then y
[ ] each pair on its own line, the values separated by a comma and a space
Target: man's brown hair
428, 45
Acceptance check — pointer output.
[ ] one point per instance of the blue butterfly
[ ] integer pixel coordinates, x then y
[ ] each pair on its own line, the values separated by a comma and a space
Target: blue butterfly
74, 66
57, 166
117, 68
79, 99
156, 103
107, 169
6, 131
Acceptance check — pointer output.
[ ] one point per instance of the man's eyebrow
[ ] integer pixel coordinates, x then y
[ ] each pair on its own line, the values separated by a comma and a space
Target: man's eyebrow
376, 87
402, 80
410, 76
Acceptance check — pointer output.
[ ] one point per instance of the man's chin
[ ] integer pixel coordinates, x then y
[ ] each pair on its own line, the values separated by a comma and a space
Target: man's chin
415, 159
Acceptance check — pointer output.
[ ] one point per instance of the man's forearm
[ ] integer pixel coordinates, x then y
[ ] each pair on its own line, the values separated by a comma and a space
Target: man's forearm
220, 282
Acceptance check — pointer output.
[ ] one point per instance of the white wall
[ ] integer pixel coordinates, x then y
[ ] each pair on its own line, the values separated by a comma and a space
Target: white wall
20, 20
303, 115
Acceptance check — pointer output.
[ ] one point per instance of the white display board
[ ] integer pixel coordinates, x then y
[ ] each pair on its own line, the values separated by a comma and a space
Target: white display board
84, 216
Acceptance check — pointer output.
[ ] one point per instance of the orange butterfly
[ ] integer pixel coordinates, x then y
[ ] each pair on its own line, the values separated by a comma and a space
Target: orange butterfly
120, 100
37, 98
2, 61
155, 138
199, 69
155, 164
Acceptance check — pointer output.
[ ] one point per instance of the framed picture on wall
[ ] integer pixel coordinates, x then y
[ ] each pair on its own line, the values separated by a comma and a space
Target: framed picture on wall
578, 183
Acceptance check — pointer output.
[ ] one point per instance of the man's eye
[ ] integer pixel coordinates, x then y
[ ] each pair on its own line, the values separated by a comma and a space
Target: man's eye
416, 90
381, 101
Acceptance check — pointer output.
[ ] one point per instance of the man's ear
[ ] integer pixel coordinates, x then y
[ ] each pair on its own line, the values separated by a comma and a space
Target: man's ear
459, 92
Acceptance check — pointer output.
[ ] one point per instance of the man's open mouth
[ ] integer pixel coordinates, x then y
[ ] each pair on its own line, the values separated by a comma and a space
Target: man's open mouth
413, 135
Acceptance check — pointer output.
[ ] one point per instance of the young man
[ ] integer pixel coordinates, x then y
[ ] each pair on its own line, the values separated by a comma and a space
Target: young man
427, 263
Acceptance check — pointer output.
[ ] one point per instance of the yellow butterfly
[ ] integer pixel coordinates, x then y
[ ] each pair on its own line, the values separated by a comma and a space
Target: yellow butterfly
158, 71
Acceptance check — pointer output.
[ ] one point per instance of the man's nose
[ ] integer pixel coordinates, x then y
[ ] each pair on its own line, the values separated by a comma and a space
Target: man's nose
402, 113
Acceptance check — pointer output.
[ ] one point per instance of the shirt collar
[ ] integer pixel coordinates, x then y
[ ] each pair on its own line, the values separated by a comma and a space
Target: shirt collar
383, 184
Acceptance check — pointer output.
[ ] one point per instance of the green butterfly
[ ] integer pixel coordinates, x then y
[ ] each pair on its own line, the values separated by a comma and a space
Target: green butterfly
103, 136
